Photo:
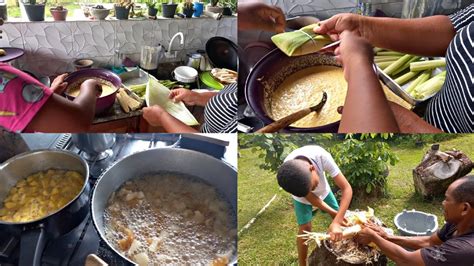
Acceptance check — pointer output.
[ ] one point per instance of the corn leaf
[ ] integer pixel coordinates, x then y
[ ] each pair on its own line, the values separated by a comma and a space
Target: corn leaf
157, 94
301, 42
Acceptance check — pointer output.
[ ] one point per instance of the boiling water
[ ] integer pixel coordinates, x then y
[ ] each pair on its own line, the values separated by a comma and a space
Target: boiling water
170, 219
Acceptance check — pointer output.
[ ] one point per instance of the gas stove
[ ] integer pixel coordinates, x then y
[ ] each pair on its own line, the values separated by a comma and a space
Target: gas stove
74, 247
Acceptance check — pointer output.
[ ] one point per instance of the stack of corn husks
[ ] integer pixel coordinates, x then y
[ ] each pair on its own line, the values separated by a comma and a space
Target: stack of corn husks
414, 71
128, 102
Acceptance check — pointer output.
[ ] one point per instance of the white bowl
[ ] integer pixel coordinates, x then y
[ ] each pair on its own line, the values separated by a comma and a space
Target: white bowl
185, 74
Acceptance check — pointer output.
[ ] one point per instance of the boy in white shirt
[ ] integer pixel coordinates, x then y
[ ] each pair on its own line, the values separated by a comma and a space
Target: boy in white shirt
302, 175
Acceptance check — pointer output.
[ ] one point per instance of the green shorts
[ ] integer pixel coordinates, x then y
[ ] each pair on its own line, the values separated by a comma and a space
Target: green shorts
304, 213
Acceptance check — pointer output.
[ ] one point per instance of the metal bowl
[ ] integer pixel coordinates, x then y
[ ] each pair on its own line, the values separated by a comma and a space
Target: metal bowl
212, 171
102, 103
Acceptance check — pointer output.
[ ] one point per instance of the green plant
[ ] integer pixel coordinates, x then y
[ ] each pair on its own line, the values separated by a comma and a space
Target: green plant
33, 2
364, 162
151, 4
124, 3
229, 3
188, 5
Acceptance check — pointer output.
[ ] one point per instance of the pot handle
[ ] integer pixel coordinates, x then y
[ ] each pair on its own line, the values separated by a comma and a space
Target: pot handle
32, 246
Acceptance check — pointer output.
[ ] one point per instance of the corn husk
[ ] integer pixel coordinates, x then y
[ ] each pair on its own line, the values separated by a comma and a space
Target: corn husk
158, 94
301, 42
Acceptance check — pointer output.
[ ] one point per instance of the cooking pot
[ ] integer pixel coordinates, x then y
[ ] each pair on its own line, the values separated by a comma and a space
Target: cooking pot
213, 171
274, 68
34, 234
105, 102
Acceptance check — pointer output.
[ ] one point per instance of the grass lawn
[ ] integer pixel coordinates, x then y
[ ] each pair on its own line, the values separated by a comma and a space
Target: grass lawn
272, 238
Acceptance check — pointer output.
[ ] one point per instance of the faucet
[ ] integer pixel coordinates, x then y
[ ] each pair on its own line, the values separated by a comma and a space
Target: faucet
170, 47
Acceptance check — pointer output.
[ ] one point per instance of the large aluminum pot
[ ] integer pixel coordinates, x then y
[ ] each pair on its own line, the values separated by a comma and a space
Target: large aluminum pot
34, 234
215, 172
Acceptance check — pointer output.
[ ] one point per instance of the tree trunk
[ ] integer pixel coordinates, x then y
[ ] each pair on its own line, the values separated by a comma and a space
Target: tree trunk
322, 256
438, 170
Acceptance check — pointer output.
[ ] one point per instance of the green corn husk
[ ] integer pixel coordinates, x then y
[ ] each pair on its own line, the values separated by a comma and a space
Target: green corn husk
298, 42
406, 78
407, 65
430, 87
380, 59
430, 64
397, 64
425, 76
384, 65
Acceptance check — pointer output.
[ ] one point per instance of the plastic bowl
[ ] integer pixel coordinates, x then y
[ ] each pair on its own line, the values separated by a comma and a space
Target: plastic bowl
185, 74
416, 223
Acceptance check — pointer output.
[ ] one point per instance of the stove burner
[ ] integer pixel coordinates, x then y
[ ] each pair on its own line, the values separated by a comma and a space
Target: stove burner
97, 157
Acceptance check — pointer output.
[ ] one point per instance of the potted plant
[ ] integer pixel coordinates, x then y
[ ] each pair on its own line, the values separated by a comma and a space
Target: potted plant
169, 9
152, 10
99, 12
59, 13
188, 9
229, 6
34, 11
122, 9
213, 7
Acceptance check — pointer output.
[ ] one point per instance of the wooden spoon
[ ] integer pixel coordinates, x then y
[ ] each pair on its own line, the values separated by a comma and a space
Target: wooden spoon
286, 121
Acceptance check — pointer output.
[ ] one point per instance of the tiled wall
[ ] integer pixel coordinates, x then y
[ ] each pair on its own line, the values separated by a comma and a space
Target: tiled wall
51, 47
326, 8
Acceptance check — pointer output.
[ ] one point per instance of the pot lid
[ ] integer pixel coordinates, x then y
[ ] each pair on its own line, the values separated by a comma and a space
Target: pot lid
223, 53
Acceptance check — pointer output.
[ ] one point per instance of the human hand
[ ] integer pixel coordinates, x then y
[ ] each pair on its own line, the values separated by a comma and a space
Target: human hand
256, 15
153, 114
58, 85
92, 84
337, 24
377, 229
365, 236
352, 50
184, 95
335, 231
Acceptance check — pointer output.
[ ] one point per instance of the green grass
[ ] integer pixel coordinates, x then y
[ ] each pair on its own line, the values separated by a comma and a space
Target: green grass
271, 239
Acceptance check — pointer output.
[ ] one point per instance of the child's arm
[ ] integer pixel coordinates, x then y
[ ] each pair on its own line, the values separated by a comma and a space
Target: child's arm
61, 115
320, 204
346, 189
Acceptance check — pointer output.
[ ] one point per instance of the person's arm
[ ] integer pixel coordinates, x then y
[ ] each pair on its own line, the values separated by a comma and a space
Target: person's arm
257, 15
428, 36
320, 204
157, 116
191, 97
366, 109
396, 253
416, 242
61, 115
412, 242
346, 198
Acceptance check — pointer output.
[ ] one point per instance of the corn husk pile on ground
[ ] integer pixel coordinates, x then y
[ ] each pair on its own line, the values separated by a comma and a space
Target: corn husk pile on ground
347, 251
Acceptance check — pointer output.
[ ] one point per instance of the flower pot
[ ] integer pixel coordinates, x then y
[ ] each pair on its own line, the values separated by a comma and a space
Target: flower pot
227, 11
58, 15
3, 12
152, 11
169, 10
214, 9
100, 13
122, 12
188, 12
198, 8
34, 12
